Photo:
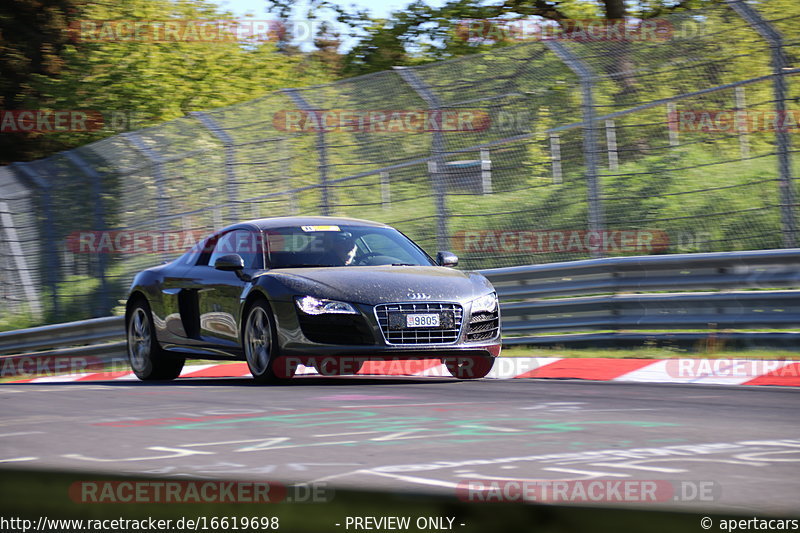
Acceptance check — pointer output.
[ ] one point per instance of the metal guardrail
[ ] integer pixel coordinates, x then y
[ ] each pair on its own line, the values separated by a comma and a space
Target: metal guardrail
633, 299
96, 330
734, 291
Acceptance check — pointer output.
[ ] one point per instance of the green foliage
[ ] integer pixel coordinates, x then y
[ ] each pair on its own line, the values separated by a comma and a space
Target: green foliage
422, 33
150, 82
18, 319
701, 186
32, 40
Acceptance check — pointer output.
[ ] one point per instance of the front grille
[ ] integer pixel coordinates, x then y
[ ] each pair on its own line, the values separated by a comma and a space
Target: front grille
391, 318
483, 326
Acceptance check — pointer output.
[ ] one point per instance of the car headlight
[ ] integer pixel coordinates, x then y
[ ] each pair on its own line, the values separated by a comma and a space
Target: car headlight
319, 306
487, 303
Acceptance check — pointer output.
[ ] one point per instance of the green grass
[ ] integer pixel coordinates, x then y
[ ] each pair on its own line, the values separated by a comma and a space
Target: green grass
21, 320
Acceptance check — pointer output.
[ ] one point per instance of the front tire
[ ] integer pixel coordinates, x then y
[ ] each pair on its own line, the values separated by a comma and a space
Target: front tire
469, 367
260, 346
147, 359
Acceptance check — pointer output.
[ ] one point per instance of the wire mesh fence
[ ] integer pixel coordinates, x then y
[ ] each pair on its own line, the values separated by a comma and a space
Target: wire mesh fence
553, 149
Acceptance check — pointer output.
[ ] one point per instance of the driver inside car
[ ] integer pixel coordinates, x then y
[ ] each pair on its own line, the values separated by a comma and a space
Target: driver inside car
340, 249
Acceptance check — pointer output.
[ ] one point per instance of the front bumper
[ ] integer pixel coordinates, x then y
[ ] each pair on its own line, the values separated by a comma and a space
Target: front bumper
361, 337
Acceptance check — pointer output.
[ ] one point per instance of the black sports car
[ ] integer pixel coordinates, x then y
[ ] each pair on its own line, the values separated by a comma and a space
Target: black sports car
319, 291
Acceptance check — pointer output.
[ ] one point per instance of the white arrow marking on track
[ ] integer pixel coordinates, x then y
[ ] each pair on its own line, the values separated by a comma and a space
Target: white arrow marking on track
176, 452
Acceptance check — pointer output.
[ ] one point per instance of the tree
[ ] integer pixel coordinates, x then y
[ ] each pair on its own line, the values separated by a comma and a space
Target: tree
422, 33
142, 81
327, 44
33, 39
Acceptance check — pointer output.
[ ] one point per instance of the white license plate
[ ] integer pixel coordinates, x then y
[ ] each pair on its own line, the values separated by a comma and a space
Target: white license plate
422, 321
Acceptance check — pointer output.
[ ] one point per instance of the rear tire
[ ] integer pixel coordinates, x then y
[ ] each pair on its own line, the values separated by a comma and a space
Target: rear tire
148, 360
469, 367
260, 346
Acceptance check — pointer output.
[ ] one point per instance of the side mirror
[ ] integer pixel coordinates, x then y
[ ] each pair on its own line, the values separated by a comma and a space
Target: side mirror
447, 259
229, 263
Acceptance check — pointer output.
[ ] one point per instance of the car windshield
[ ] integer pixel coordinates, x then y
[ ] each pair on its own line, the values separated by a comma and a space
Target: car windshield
337, 246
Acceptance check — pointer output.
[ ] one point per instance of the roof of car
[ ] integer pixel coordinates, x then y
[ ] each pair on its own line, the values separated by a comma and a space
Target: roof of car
282, 222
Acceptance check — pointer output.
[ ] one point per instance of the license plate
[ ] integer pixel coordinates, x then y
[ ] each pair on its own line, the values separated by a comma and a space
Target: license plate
422, 321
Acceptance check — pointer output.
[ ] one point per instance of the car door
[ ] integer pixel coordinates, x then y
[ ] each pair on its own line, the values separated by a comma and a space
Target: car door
219, 296
177, 310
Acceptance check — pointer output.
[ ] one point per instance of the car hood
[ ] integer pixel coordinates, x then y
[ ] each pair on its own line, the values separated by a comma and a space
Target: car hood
382, 284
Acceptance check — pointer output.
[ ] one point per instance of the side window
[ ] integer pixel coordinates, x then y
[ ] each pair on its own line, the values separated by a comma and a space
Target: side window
244, 242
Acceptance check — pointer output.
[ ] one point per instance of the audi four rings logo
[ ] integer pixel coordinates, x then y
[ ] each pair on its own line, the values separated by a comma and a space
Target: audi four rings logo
418, 296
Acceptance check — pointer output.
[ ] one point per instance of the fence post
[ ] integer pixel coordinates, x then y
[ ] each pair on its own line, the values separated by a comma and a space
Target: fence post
782, 139
20, 262
285, 150
611, 145
48, 227
386, 191
486, 172
436, 167
672, 124
230, 161
590, 149
99, 222
157, 162
741, 122
555, 157
322, 150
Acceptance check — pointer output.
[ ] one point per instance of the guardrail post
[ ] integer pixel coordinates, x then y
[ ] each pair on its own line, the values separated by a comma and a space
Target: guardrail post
782, 139
230, 161
50, 252
436, 167
157, 162
590, 149
322, 151
99, 222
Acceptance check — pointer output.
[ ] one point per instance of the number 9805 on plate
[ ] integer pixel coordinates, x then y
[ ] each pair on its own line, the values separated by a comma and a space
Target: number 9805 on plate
420, 320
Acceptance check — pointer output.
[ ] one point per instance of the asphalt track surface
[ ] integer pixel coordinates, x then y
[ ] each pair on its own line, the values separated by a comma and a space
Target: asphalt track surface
714, 447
